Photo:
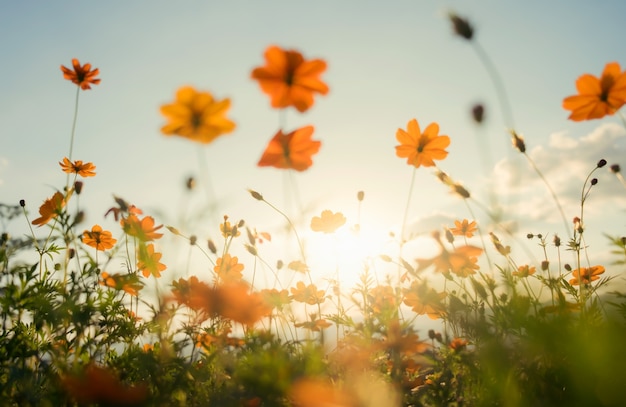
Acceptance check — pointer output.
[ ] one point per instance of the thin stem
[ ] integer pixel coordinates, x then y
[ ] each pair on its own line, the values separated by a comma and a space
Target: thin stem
74, 124
408, 203
505, 106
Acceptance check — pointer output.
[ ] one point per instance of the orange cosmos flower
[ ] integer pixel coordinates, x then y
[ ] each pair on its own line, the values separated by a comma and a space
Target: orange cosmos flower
308, 294
196, 116
425, 300
289, 79
50, 209
228, 269
77, 167
82, 76
315, 325
586, 275
148, 261
464, 228
328, 222
458, 344
142, 229
293, 150
524, 271
128, 282
598, 97
98, 238
421, 148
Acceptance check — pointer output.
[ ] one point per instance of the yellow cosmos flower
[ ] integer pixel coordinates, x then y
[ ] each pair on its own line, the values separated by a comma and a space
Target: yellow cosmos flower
328, 222
196, 116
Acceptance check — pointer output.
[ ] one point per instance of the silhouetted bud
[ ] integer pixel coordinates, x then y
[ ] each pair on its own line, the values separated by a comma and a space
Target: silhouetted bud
279, 264
212, 247
478, 113
615, 168
530, 236
78, 187
461, 26
539, 236
22, 203
431, 334
518, 142
241, 223
360, 195
601, 163
449, 236
190, 183
80, 216
256, 195
193, 239
568, 267
460, 189
557, 241
71, 253
544, 265
4, 238
594, 181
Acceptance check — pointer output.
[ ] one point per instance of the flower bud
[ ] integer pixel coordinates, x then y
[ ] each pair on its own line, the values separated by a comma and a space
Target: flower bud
615, 168
360, 195
478, 113
190, 183
256, 195
22, 203
601, 163
518, 142
78, 187
461, 26
594, 181
193, 239
212, 246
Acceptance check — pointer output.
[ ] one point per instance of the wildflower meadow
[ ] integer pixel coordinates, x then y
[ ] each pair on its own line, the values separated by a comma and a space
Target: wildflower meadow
141, 309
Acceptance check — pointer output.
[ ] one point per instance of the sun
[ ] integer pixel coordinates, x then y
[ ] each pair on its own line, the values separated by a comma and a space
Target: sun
347, 252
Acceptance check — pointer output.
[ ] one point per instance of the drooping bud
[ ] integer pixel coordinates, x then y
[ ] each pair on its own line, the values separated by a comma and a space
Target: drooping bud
478, 113
256, 195
518, 142
212, 247
461, 26
601, 163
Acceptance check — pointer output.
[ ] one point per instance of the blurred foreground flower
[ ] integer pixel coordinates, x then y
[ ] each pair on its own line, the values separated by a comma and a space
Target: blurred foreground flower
421, 148
77, 167
82, 76
598, 97
464, 228
289, 79
196, 116
98, 238
328, 222
231, 300
98, 385
291, 151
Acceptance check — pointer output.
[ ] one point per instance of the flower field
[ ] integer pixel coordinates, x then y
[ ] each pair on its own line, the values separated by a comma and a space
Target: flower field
94, 315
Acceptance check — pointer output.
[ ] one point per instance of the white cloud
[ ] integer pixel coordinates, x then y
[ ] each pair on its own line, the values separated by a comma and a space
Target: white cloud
565, 162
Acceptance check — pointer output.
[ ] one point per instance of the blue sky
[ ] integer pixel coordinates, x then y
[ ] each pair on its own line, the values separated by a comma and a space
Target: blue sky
388, 62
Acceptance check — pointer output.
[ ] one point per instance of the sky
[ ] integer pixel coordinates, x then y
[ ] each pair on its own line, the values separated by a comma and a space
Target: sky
388, 62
